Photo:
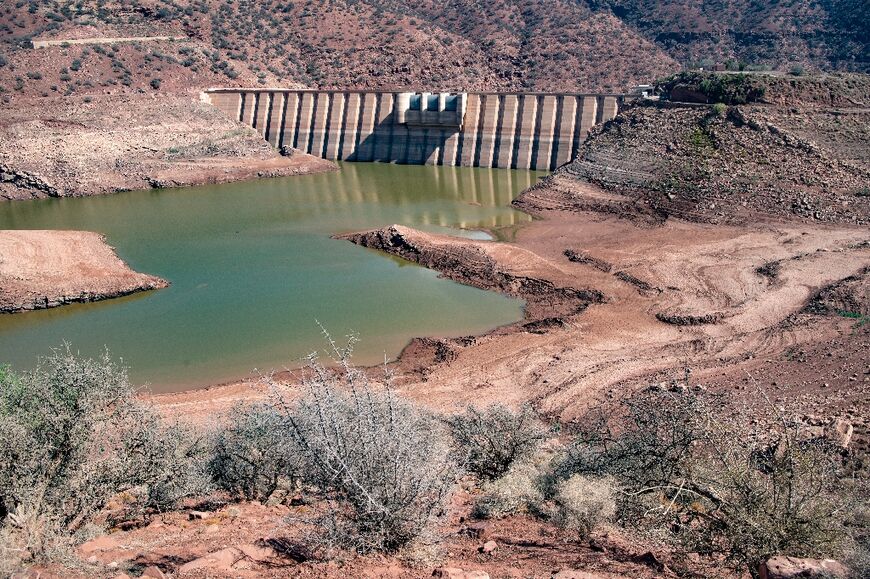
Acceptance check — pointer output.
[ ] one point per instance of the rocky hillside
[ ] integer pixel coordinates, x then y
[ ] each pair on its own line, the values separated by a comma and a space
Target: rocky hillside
600, 45
734, 162
828, 34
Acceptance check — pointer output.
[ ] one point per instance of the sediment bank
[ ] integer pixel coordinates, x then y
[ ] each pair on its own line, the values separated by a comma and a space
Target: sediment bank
45, 269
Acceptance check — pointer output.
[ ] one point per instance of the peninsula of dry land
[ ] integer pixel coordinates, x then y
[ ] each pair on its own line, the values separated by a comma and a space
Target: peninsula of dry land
44, 269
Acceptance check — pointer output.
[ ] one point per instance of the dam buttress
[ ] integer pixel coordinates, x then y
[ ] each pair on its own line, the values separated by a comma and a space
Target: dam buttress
505, 130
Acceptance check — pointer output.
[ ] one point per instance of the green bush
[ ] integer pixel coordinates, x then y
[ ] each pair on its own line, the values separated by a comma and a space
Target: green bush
491, 440
730, 89
155, 83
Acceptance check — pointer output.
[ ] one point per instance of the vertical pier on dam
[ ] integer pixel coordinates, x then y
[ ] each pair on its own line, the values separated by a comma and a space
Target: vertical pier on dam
506, 130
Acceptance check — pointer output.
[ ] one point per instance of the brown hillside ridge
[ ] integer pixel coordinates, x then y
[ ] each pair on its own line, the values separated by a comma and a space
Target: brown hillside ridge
561, 45
796, 152
45, 269
121, 143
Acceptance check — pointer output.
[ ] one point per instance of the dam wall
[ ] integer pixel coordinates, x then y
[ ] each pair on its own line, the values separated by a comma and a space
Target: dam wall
522, 131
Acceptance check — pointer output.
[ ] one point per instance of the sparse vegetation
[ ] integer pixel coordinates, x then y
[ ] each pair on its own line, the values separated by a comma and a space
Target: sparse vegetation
77, 449
717, 485
491, 440
72, 437
728, 89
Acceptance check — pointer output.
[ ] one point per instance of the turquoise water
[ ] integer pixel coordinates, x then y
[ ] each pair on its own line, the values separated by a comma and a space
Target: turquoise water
253, 271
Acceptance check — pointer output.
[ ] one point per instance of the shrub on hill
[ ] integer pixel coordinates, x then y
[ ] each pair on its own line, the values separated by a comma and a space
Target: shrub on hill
254, 453
713, 484
729, 89
492, 439
72, 437
380, 463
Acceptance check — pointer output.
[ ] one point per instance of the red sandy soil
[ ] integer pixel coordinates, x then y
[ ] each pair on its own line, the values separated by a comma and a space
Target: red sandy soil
43, 269
251, 540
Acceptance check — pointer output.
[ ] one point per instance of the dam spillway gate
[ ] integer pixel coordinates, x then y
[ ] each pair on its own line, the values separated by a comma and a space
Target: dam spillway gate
505, 130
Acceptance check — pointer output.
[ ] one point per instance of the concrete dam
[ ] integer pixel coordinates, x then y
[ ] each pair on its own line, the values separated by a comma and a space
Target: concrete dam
520, 131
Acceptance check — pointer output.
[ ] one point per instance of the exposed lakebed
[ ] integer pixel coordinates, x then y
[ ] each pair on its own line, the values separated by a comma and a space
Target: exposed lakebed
253, 270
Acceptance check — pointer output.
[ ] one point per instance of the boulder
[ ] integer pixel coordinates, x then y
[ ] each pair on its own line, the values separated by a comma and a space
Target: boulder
260, 553
839, 432
457, 573
781, 567
153, 572
223, 559
488, 547
104, 543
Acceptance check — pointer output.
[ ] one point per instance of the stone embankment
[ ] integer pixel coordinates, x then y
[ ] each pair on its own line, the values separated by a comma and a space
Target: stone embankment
45, 269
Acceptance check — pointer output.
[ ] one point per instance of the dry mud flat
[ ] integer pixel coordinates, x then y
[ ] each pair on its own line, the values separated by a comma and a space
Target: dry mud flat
104, 144
44, 269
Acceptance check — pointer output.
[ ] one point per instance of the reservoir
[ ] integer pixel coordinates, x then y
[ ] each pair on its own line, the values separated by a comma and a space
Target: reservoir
253, 271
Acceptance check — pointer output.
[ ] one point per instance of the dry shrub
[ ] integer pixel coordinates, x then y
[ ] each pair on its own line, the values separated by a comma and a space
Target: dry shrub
72, 437
689, 470
254, 453
492, 439
583, 503
380, 463
516, 492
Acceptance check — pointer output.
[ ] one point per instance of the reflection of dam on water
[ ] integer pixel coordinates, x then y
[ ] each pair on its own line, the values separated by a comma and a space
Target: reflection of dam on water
510, 131
362, 190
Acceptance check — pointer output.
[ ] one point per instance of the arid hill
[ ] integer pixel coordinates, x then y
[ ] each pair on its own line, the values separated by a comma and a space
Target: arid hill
796, 150
595, 45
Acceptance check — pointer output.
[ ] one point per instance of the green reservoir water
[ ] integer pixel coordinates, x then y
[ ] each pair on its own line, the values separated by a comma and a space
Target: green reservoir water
253, 270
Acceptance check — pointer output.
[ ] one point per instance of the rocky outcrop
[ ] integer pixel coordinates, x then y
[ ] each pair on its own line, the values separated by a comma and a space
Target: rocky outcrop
29, 183
478, 264
781, 567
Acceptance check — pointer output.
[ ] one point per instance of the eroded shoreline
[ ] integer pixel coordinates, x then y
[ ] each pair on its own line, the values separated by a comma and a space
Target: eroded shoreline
591, 331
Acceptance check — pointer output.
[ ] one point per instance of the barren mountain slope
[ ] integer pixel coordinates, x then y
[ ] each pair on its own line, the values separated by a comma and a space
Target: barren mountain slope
594, 45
